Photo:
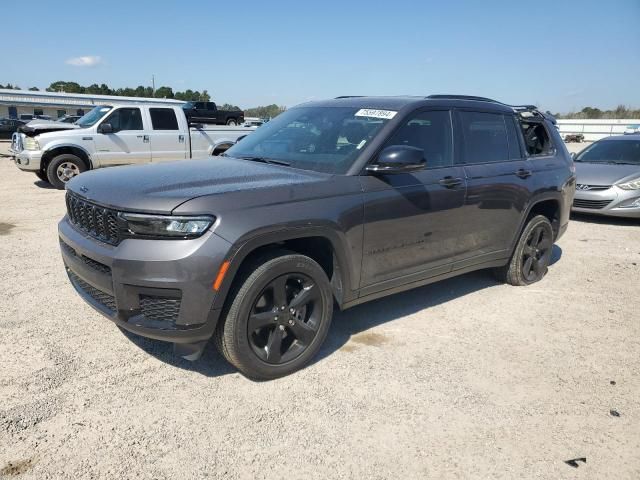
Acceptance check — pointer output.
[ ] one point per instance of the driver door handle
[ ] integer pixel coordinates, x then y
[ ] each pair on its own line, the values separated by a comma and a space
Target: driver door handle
450, 182
522, 173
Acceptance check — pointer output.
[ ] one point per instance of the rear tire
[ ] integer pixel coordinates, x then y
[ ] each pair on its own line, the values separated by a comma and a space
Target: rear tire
232, 122
63, 168
278, 318
532, 254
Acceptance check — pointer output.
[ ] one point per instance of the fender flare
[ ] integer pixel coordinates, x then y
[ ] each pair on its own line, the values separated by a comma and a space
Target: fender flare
555, 196
55, 146
249, 243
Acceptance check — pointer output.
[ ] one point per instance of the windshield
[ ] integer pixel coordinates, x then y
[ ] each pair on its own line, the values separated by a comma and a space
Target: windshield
612, 151
323, 139
93, 116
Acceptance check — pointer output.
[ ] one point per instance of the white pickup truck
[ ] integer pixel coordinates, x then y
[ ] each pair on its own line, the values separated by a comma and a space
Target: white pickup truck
123, 134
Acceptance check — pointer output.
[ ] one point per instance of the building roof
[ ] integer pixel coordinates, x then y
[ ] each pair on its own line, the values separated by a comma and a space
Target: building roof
28, 97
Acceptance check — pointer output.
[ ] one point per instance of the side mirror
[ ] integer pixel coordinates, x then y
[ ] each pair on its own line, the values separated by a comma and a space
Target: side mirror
105, 128
398, 159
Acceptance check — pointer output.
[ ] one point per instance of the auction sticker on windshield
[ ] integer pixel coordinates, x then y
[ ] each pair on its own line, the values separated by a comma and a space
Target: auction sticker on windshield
372, 113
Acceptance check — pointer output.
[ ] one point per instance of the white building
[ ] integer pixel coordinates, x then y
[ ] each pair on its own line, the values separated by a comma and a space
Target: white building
14, 103
595, 129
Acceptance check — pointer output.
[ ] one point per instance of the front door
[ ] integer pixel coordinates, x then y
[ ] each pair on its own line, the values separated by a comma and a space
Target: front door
127, 144
167, 141
412, 220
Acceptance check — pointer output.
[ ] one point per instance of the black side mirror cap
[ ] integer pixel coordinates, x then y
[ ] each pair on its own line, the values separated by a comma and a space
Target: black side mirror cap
398, 159
105, 128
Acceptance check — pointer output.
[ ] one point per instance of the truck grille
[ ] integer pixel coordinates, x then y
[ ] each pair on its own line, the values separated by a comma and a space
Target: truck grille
99, 296
592, 204
97, 221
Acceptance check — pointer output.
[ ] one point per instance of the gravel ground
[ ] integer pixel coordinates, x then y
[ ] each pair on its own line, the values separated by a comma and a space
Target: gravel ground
466, 378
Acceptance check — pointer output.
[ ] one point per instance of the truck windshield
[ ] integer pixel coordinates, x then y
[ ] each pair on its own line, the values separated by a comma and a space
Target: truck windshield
323, 139
94, 116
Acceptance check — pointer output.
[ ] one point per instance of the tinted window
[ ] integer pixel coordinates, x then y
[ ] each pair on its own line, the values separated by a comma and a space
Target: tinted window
484, 137
200, 105
211, 106
536, 138
430, 131
125, 119
512, 136
612, 151
163, 119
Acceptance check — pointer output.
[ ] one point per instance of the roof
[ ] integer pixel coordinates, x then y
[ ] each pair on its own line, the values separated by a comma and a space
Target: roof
80, 99
410, 102
622, 138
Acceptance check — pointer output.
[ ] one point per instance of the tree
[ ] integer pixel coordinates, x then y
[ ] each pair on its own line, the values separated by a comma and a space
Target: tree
268, 111
163, 92
228, 106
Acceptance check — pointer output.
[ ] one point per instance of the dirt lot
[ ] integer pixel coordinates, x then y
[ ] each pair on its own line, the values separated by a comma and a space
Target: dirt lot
467, 378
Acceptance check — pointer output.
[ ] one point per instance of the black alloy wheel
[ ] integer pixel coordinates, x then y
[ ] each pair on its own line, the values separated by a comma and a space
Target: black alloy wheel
536, 253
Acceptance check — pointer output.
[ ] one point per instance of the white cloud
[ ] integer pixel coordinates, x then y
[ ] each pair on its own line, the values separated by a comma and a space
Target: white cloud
86, 61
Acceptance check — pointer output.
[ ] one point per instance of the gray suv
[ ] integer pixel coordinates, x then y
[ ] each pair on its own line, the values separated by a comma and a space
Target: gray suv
331, 204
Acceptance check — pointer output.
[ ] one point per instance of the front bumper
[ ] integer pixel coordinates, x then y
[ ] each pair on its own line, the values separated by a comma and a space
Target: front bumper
161, 289
612, 201
28, 160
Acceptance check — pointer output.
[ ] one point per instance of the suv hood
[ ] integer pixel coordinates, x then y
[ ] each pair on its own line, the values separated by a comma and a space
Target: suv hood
604, 173
160, 188
37, 127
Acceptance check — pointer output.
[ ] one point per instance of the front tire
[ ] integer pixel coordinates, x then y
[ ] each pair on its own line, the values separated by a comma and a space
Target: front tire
42, 175
63, 168
531, 256
278, 318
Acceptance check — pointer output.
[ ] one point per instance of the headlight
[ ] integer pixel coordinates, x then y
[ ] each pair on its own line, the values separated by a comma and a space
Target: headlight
632, 185
31, 143
166, 226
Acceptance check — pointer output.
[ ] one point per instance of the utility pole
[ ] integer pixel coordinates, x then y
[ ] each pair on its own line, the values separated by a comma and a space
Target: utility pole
153, 83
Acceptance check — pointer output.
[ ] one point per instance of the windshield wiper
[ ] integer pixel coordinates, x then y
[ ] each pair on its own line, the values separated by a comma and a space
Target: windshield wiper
266, 160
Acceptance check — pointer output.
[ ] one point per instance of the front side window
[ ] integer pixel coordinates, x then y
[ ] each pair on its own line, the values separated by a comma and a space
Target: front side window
612, 151
125, 119
429, 131
484, 137
323, 139
163, 119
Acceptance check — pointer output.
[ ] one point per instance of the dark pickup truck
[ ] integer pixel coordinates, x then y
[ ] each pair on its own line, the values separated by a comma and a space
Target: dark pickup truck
331, 203
207, 112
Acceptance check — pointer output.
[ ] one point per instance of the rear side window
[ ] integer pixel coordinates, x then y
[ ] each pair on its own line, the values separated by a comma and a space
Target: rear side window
125, 119
163, 119
536, 139
484, 137
430, 131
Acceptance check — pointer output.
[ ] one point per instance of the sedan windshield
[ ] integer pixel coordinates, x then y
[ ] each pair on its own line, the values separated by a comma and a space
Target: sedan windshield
94, 116
323, 139
612, 151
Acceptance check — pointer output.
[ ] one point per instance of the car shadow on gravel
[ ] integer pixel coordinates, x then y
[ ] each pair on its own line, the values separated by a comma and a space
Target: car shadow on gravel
604, 220
345, 325
43, 184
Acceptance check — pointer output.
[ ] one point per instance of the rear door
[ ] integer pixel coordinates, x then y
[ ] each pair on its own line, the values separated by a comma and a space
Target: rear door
212, 113
499, 182
412, 220
167, 140
129, 143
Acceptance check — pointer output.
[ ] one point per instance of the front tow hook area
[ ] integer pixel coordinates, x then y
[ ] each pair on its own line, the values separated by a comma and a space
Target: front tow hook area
189, 351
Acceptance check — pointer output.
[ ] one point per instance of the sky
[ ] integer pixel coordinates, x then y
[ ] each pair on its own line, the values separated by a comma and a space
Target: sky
560, 55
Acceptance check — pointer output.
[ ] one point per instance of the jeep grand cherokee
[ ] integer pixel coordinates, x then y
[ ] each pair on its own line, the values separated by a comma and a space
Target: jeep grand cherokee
333, 202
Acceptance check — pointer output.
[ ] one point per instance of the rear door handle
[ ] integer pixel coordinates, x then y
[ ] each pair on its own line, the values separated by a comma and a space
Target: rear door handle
522, 173
450, 182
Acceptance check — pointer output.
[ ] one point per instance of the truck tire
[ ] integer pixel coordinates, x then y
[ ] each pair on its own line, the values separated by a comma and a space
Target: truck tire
278, 316
63, 168
232, 122
532, 254
42, 175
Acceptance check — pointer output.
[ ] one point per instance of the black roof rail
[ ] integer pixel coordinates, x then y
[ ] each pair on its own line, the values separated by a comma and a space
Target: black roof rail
349, 96
462, 97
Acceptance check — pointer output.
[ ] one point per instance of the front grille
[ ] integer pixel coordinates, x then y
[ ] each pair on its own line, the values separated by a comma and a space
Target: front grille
97, 221
592, 204
592, 188
99, 296
90, 262
162, 309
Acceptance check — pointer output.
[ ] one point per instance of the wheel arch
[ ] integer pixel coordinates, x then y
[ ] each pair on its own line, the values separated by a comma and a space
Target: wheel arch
548, 205
72, 149
320, 244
